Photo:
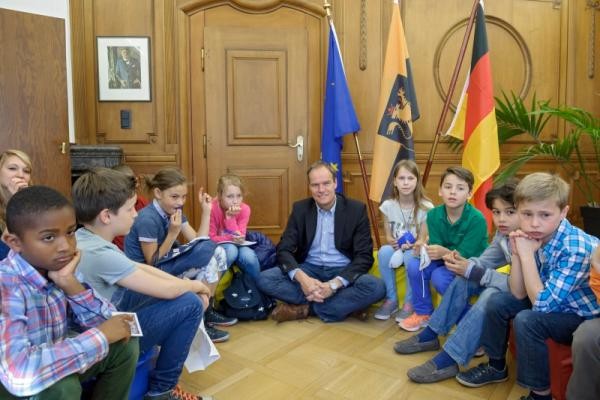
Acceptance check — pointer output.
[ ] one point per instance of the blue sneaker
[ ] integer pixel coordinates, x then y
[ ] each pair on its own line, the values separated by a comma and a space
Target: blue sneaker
482, 375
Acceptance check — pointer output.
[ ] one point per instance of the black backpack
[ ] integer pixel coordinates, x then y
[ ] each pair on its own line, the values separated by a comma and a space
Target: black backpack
244, 301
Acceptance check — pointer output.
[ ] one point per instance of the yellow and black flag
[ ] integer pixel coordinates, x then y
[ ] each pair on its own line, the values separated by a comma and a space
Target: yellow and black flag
397, 108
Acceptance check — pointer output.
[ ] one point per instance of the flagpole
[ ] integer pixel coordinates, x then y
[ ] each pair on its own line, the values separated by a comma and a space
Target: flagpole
442, 120
363, 170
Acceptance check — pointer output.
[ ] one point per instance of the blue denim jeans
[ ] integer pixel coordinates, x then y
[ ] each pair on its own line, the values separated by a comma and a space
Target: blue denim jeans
437, 273
464, 341
170, 324
244, 257
388, 275
532, 328
366, 290
197, 257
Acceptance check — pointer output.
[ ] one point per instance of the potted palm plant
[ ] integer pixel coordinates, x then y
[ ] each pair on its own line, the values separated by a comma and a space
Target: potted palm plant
571, 152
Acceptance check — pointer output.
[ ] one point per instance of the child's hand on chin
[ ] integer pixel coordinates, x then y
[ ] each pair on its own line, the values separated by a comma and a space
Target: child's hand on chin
66, 272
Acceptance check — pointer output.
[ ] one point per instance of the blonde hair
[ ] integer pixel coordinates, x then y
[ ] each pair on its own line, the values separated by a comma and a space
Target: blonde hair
541, 186
5, 194
418, 194
229, 179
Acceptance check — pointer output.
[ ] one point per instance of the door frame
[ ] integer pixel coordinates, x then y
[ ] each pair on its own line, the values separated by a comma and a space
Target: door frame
191, 148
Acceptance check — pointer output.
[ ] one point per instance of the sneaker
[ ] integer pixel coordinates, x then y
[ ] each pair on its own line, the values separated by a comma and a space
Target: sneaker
387, 309
405, 312
414, 322
412, 345
482, 375
429, 373
177, 394
216, 335
211, 318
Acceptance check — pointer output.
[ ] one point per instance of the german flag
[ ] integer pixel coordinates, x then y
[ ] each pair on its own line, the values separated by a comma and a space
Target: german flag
397, 110
475, 121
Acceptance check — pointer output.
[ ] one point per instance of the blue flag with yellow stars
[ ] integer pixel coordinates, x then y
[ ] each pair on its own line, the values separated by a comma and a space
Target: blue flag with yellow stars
339, 117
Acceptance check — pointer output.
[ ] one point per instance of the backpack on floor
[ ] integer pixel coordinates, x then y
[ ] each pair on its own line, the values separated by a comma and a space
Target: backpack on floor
244, 301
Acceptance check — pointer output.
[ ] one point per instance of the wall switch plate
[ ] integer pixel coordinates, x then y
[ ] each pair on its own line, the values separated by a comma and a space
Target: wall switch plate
125, 119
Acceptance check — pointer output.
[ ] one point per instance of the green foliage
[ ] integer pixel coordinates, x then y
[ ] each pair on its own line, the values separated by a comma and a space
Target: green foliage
515, 119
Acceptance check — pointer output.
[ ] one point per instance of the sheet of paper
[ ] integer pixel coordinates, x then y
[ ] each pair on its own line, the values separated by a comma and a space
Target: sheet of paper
202, 352
425, 260
136, 329
244, 243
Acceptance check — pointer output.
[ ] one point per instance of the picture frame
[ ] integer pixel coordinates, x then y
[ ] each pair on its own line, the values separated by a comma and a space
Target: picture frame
123, 68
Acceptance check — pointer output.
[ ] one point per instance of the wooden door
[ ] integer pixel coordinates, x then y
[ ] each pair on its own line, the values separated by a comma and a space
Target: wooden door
33, 94
259, 99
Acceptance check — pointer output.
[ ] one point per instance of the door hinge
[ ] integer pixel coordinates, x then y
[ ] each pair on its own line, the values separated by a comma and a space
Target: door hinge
204, 143
202, 58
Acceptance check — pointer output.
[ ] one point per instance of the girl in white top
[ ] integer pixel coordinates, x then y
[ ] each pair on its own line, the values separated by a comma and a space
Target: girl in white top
405, 222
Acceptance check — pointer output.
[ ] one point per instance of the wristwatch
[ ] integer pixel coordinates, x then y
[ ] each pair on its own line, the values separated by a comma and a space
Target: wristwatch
334, 285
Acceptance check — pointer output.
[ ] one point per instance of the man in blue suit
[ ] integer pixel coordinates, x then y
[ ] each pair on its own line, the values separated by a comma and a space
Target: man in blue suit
325, 254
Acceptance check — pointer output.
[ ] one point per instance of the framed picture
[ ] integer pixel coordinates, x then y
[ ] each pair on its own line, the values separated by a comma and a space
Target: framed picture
123, 68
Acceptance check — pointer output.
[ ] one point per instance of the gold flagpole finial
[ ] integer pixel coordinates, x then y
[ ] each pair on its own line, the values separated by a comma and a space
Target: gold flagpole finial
327, 7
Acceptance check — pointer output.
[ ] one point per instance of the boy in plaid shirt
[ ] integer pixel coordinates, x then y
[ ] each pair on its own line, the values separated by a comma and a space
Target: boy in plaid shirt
40, 298
549, 294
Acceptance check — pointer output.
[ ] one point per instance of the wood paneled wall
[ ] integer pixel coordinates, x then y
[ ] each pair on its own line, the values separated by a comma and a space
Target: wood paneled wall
555, 34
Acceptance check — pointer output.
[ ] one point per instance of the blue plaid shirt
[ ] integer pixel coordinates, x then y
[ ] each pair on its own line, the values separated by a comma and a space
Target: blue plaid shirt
35, 350
564, 266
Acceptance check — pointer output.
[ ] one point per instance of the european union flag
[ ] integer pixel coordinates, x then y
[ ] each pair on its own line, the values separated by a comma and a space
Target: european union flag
339, 117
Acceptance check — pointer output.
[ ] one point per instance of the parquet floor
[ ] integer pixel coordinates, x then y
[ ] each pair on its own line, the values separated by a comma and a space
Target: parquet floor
312, 360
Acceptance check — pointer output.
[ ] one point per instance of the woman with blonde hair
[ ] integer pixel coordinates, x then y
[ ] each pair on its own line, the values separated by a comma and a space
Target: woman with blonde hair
15, 174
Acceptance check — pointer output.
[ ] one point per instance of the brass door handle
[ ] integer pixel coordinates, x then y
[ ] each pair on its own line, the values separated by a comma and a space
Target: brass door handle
299, 147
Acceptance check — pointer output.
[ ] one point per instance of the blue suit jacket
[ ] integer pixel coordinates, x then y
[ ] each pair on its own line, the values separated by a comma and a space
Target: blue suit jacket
352, 236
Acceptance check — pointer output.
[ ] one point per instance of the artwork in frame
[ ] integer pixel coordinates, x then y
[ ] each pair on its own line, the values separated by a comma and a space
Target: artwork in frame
123, 68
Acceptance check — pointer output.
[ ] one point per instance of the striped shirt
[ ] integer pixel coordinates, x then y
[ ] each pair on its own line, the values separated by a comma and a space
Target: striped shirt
35, 352
564, 266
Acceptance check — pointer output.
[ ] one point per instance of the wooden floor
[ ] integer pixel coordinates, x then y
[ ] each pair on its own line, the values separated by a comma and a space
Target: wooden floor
312, 360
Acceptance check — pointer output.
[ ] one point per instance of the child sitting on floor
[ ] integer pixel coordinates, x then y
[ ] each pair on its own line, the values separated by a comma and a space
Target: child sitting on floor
40, 299
153, 241
455, 225
229, 218
476, 275
550, 294
169, 309
404, 222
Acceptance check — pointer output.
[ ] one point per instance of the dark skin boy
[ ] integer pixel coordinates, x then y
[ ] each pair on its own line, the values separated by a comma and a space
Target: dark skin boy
48, 244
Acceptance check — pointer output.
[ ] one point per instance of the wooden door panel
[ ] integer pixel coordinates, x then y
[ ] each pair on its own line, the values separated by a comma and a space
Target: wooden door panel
256, 94
268, 214
256, 104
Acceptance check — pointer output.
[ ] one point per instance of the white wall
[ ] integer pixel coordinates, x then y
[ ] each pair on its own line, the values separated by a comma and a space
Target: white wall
57, 9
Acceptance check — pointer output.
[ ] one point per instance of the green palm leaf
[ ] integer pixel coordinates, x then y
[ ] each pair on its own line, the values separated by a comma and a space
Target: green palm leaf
514, 119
